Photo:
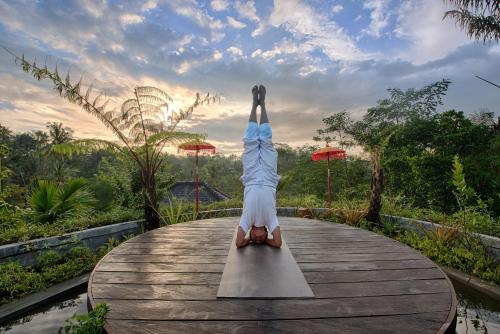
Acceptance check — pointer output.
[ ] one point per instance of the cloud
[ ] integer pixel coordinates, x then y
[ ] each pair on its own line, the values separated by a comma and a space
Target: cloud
305, 24
262, 28
127, 19
379, 16
219, 5
421, 23
235, 23
308, 62
235, 52
337, 8
246, 10
190, 10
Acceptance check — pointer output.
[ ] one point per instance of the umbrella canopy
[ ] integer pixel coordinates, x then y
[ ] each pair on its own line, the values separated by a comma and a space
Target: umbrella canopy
193, 148
328, 153
196, 146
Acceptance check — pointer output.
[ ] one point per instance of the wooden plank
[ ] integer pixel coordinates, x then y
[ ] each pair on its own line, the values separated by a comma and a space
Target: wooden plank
171, 251
422, 323
367, 244
205, 258
216, 239
372, 275
356, 257
372, 265
338, 251
156, 278
154, 291
321, 291
157, 246
193, 259
161, 267
275, 309
262, 271
385, 288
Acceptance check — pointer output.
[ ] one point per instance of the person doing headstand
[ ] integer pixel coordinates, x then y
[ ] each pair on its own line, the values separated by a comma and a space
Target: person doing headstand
260, 179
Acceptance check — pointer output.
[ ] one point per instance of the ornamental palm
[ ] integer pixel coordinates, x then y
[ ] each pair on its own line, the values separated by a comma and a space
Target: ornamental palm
480, 18
50, 201
142, 131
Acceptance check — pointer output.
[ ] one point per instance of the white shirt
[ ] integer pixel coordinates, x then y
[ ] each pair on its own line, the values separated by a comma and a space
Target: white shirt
260, 178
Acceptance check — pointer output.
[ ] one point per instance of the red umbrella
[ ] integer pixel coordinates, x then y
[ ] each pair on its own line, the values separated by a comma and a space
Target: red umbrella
327, 153
196, 146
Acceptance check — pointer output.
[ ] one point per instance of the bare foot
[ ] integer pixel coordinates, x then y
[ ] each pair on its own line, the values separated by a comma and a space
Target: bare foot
255, 93
262, 94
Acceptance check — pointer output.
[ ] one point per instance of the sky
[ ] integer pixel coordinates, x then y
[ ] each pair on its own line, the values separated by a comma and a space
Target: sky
315, 58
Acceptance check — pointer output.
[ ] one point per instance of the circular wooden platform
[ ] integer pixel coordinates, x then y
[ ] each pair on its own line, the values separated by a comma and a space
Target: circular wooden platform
166, 281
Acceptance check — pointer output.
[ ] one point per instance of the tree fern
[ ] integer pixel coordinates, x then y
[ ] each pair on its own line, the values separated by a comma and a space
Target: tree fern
138, 124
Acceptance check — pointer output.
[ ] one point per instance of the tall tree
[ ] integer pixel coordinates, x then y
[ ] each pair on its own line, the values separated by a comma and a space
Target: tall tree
479, 18
139, 126
337, 124
378, 125
58, 133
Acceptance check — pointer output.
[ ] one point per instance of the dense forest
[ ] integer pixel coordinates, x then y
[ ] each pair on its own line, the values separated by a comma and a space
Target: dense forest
418, 148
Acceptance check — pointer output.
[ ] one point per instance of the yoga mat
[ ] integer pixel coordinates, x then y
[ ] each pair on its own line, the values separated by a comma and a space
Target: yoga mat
262, 271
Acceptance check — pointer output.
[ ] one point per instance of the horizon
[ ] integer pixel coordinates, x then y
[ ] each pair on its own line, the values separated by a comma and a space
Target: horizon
314, 58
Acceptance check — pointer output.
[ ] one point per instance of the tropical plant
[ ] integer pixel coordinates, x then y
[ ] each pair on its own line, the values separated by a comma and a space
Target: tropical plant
479, 18
443, 234
174, 212
50, 201
379, 124
91, 323
139, 126
350, 213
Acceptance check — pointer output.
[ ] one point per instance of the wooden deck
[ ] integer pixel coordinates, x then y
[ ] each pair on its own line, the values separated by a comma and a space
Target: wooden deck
166, 281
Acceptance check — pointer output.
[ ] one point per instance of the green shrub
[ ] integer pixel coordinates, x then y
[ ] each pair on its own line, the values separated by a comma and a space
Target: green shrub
50, 201
112, 243
17, 281
91, 323
466, 254
48, 259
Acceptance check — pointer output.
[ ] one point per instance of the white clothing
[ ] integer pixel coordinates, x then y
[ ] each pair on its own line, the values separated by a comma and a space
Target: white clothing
260, 178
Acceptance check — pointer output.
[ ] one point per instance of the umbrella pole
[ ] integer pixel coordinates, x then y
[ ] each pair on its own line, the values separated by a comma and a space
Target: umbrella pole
197, 182
329, 191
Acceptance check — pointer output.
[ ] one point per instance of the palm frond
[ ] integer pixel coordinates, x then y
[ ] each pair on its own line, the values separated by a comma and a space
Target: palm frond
479, 18
153, 91
83, 146
477, 27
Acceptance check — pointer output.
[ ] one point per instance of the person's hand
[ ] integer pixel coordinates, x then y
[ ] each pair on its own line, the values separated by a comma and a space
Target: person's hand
262, 95
255, 94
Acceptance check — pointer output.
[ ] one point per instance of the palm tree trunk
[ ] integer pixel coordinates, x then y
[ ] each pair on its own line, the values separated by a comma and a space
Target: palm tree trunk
377, 183
151, 207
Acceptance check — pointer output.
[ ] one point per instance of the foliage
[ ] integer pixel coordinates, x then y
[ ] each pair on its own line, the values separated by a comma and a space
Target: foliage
445, 233
91, 323
177, 211
109, 245
17, 281
466, 254
10, 215
19, 230
350, 213
50, 201
479, 18
139, 126
419, 154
